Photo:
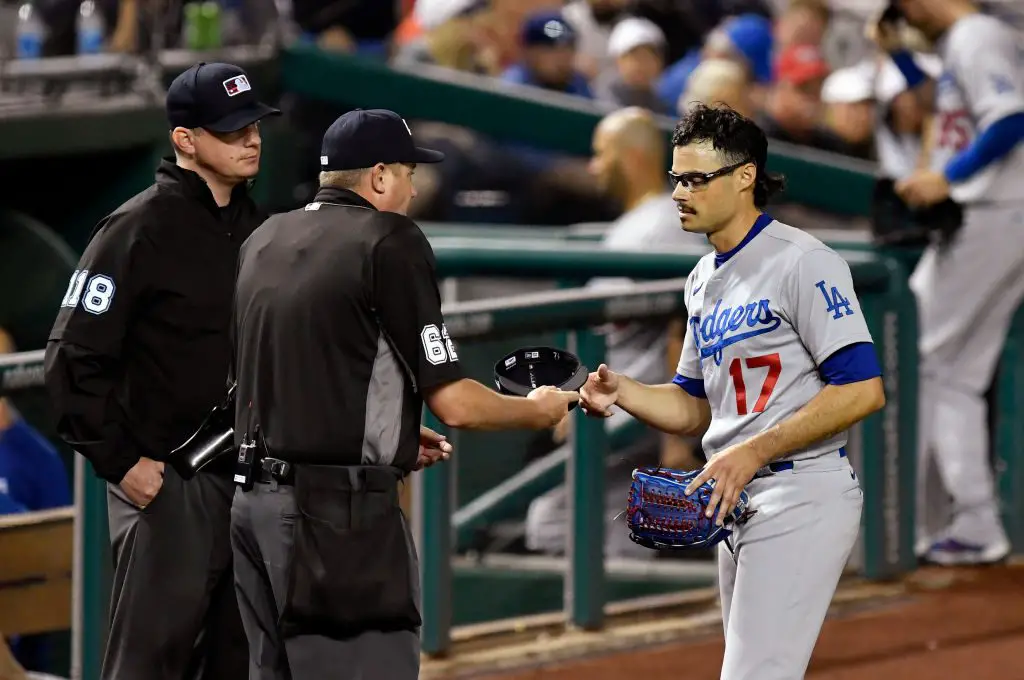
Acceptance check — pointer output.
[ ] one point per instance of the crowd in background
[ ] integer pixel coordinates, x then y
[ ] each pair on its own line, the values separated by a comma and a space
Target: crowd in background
804, 69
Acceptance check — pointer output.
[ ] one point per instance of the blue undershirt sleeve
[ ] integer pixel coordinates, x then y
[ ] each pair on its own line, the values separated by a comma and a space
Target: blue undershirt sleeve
853, 363
693, 386
998, 140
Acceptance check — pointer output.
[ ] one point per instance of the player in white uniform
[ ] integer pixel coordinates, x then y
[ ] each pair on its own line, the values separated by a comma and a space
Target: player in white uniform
776, 365
967, 291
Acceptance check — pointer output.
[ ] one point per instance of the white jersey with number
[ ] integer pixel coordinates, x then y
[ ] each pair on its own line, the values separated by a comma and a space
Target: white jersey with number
760, 325
982, 82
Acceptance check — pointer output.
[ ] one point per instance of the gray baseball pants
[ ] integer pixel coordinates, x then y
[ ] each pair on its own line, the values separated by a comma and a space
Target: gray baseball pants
173, 610
262, 523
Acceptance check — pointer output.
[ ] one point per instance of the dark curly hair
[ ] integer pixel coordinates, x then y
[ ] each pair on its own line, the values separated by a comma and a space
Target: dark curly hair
736, 137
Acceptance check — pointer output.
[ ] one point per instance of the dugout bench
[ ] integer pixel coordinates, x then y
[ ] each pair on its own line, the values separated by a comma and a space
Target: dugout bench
36, 571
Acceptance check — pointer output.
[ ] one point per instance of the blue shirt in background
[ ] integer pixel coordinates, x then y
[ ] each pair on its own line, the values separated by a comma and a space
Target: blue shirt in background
32, 474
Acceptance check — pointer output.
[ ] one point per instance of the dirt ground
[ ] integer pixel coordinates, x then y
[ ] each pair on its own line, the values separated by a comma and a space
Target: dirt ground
954, 624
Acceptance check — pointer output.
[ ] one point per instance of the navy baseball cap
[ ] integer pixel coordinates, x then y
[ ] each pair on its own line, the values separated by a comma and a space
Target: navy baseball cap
547, 28
361, 139
217, 97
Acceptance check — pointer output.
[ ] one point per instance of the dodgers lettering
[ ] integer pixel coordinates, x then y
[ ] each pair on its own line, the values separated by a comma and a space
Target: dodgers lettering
724, 327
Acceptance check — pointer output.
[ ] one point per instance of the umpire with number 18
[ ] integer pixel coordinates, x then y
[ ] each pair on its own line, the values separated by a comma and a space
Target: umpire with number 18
339, 342
138, 356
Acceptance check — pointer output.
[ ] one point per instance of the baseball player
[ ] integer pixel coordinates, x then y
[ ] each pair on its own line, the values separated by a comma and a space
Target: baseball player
967, 289
777, 364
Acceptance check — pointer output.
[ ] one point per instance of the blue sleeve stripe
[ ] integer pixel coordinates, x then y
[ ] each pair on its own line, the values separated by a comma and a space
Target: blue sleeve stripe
904, 61
693, 386
998, 140
853, 363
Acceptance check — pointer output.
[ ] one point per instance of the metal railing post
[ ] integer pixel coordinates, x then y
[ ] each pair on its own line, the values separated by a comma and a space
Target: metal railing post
91, 574
435, 510
585, 580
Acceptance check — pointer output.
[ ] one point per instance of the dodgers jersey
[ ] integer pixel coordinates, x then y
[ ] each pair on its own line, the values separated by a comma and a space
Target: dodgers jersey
982, 82
760, 325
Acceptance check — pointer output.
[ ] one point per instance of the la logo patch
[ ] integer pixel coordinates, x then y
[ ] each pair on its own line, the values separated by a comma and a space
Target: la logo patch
237, 85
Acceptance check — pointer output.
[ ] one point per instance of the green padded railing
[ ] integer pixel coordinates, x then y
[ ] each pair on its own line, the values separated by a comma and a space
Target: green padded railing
888, 441
507, 498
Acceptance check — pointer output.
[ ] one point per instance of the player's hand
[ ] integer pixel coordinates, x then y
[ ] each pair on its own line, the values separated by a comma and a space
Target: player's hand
923, 188
885, 34
553, 403
143, 482
600, 392
732, 470
434, 447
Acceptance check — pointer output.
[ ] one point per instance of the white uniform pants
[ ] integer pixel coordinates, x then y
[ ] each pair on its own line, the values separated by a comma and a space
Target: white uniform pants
967, 294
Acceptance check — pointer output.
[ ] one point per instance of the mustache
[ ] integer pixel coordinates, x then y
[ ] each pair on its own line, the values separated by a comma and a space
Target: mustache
686, 209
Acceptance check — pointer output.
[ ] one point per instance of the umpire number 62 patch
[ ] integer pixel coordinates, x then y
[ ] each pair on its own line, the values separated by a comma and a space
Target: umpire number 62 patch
437, 345
95, 293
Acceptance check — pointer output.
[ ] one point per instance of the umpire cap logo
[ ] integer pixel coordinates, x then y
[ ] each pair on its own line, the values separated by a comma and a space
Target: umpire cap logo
237, 85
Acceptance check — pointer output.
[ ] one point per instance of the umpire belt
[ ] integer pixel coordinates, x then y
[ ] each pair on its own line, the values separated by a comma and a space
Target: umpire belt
783, 465
274, 470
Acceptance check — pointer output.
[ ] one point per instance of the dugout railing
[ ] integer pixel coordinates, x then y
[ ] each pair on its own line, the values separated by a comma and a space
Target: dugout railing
883, 446
883, 450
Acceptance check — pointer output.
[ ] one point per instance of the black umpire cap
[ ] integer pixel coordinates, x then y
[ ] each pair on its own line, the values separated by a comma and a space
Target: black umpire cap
360, 139
216, 97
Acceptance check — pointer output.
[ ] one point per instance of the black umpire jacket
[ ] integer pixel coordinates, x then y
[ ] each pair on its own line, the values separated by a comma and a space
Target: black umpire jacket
140, 349
339, 332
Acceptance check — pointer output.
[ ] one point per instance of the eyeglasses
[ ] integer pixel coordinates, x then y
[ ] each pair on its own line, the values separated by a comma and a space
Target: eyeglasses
695, 181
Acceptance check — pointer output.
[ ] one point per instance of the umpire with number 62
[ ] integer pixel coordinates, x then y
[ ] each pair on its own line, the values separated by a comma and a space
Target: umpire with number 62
138, 356
339, 342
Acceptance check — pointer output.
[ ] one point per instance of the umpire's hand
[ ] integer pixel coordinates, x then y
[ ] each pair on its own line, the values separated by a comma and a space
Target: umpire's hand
434, 447
143, 482
553, 404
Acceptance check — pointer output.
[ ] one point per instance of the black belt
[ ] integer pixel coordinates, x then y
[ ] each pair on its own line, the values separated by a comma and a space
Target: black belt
270, 470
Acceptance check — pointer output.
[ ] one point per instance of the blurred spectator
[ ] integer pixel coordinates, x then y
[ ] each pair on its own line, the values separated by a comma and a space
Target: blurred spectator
593, 21
32, 473
793, 110
349, 25
456, 43
638, 48
497, 27
746, 39
32, 477
629, 163
802, 22
548, 56
719, 81
10, 669
902, 119
686, 25
849, 100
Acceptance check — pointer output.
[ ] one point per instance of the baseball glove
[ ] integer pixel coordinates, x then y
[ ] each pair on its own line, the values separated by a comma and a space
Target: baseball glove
661, 516
894, 223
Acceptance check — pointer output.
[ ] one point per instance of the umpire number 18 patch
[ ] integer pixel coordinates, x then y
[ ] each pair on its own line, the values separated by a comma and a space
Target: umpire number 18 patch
437, 345
95, 293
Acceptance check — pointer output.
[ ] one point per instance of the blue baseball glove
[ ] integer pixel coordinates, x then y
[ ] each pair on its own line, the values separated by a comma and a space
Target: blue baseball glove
661, 516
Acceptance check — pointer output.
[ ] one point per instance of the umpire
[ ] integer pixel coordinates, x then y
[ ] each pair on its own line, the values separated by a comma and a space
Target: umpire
340, 340
138, 355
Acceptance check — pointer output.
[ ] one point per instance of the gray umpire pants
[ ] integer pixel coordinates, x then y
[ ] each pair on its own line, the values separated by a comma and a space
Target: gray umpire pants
262, 523
174, 615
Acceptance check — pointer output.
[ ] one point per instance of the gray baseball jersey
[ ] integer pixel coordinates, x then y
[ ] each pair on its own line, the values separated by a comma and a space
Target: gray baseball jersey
968, 291
760, 325
982, 82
